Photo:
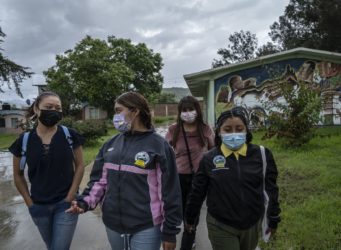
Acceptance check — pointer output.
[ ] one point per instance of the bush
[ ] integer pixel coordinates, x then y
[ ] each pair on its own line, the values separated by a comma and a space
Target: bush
92, 130
163, 119
292, 121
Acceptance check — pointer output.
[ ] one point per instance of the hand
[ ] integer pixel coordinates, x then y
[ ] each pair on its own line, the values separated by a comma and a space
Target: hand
189, 228
29, 203
166, 245
271, 230
74, 209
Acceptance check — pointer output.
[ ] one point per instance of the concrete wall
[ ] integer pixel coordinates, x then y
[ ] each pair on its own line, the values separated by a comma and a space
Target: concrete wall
12, 127
169, 109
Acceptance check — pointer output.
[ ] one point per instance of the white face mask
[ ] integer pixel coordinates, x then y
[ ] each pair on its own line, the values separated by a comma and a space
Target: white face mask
189, 116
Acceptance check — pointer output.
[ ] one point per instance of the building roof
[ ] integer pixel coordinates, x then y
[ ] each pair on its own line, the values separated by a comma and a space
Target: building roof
12, 112
198, 81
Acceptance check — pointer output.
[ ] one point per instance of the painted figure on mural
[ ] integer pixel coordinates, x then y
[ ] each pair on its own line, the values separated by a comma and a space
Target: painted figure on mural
306, 72
321, 76
236, 86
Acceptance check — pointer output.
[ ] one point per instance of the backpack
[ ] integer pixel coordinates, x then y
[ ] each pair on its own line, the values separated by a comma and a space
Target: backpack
25, 140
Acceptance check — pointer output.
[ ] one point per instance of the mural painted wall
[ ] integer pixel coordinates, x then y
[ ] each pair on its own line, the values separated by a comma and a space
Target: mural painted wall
251, 87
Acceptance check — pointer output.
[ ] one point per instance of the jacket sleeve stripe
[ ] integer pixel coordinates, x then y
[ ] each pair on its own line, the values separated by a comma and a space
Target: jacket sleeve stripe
159, 191
127, 168
97, 191
155, 202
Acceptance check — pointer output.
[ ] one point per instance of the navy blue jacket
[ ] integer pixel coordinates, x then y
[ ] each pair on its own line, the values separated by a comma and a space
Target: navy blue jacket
134, 177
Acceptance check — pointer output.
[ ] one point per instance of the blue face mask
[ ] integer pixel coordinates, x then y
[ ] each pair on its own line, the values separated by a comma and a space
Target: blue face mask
233, 141
120, 123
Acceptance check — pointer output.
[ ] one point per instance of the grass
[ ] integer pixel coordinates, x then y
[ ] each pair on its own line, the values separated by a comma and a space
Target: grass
6, 140
90, 152
163, 120
310, 190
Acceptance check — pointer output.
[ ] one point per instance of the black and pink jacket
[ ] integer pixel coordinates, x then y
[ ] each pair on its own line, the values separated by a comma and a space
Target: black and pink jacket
134, 178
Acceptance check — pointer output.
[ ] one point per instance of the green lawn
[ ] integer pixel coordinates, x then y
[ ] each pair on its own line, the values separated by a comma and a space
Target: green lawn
6, 140
90, 152
310, 193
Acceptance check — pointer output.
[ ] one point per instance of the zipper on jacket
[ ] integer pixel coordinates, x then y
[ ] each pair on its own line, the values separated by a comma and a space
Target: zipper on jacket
240, 181
119, 194
119, 186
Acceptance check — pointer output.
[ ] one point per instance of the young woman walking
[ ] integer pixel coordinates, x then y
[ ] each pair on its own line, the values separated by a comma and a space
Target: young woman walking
55, 170
190, 138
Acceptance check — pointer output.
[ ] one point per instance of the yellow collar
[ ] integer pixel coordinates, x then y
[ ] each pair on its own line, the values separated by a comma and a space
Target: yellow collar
227, 152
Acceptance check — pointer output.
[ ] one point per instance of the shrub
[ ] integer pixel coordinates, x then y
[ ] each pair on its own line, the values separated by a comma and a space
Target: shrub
293, 120
163, 119
90, 129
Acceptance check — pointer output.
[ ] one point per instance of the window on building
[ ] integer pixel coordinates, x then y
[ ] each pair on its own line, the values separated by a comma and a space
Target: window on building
93, 113
14, 122
2, 122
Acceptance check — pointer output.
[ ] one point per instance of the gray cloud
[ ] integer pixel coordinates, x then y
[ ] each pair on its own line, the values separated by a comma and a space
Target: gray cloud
186, 33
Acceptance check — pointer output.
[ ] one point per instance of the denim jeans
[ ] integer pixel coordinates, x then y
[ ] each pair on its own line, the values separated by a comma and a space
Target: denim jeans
55, 226
148, 239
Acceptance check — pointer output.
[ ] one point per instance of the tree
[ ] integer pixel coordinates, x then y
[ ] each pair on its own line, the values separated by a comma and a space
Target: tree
162, 98
10, 72
305, 23
242, 47
267, 49
309, 23
97, 71
167, 98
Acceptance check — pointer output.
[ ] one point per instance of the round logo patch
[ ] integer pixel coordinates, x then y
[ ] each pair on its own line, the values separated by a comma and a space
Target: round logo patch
219, 161
142, 159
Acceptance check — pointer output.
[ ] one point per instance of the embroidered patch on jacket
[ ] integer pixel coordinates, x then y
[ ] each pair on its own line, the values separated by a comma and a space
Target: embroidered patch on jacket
142, 159
219, 161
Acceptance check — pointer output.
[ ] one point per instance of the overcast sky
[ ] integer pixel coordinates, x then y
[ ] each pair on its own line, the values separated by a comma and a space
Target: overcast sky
187, 33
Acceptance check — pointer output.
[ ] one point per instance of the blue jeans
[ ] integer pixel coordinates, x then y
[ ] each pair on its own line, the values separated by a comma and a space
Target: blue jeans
148, 239
55, 226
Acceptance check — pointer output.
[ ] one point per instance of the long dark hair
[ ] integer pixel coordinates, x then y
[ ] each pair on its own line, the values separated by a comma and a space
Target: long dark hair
30, 114
134, 101
239, 112
189, 102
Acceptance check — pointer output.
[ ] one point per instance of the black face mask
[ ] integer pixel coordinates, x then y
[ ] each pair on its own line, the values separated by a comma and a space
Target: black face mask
50, 117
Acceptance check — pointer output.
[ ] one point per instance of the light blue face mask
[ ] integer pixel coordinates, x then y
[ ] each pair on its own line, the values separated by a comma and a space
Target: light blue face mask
233, 141
120, 123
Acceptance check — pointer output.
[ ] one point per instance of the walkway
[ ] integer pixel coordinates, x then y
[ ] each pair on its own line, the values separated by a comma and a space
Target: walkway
17, 230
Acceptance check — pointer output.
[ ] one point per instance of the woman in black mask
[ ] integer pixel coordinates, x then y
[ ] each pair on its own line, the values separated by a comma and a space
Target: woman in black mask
54, 158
